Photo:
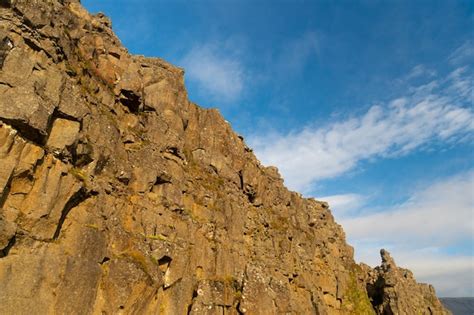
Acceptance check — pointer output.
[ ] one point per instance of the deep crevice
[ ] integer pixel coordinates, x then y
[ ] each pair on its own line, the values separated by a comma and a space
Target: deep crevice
4, 252
60, 114
130, 100
5, 83
164, 261
104, 260
190, 306
237, 308
175, 151
250, 193
26, 131
5, 3
162, 179
6, 192
148, 109
34, 46
75, 200
241, 179
185, 124
375, 291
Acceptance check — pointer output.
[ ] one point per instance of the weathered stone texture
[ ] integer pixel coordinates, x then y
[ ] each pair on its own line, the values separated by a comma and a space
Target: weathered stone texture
120, 196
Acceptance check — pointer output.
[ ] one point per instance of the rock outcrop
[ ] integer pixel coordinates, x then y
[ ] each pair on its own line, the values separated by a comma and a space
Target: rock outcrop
120, 196
393, 290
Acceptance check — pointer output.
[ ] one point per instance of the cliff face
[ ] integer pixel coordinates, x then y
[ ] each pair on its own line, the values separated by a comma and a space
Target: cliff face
119, 195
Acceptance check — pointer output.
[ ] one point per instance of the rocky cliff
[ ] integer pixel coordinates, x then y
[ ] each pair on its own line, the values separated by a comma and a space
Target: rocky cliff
120, 196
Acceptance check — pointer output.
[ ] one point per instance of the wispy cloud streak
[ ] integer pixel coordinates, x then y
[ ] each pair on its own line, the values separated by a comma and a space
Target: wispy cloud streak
433, 113
463, 54
438, 215
217, 72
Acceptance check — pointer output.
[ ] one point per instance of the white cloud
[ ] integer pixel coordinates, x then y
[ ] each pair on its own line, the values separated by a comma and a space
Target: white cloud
463, 54
419, 231
462, 83
216, 71
432, 113
438, 215
451, 276
420, 71
344, 203
220, 69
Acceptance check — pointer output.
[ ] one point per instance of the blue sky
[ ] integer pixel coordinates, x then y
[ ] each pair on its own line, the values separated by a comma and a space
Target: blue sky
366, 104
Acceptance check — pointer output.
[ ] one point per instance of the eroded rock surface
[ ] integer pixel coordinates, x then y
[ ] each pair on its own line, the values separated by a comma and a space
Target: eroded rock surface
120, 196
393, 290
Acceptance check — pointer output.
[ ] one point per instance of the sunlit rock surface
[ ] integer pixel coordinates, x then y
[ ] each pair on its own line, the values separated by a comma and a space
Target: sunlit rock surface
119, 195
